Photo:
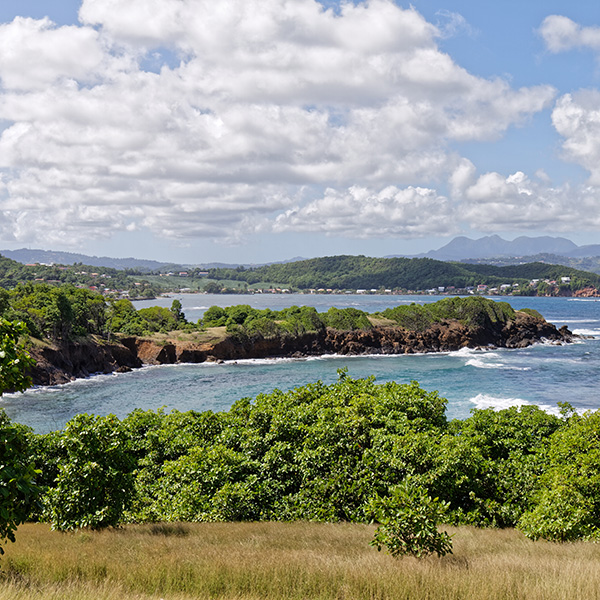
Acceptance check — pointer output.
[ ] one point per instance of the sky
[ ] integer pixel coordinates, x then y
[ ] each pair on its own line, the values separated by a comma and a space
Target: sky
251, 131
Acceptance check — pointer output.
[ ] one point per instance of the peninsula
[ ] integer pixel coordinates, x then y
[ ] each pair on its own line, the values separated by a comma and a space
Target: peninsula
241, 332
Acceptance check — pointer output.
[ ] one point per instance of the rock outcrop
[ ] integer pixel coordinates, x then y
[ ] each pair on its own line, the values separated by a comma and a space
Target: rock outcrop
63, 363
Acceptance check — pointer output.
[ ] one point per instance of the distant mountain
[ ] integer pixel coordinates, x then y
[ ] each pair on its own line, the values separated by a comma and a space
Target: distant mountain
585, 251
48, 257
494, 246
27, 256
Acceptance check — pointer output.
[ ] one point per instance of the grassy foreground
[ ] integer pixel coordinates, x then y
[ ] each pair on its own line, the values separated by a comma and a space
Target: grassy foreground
247, 561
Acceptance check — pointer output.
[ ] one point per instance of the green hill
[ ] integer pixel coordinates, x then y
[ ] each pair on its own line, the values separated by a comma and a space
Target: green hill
361, 272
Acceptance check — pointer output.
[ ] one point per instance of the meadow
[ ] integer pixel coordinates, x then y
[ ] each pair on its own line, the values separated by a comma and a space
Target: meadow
301, 560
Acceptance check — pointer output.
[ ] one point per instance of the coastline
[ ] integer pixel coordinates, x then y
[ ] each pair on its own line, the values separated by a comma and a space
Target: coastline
58, 364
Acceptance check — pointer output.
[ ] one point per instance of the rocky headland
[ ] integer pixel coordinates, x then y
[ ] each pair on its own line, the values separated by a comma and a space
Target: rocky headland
64, 362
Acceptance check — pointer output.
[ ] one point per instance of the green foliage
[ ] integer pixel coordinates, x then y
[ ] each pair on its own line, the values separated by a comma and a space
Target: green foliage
347, 319
123, 318
18, 489
415, 317
177, 312
362, 272
94, 484
157, 319
473, 311
409, 520
532, 312
567, 501
14, 360
350, 451
215, 316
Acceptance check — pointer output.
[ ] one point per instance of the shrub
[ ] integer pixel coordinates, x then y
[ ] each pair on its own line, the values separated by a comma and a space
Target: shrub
18, 490
95, 482
347, 319
409, 523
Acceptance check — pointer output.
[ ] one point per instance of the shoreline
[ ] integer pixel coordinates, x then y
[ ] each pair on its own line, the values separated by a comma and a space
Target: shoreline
77, 360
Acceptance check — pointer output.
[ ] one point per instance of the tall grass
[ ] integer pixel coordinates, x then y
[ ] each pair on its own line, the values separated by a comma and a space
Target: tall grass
248, 561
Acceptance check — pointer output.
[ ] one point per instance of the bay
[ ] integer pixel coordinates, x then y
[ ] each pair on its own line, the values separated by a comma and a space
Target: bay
543, 374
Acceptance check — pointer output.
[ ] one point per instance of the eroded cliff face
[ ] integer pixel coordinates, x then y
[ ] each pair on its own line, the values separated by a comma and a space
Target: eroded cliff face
61, 364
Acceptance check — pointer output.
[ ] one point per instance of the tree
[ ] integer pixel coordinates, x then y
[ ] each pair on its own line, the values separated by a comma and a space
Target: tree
177, 312
18, 491
95, 481
14, 360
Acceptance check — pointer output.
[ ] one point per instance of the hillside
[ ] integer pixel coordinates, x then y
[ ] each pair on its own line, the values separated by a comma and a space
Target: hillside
12, 273
361, 272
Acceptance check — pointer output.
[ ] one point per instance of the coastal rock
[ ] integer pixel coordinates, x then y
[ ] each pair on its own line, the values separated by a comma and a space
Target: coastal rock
59, 364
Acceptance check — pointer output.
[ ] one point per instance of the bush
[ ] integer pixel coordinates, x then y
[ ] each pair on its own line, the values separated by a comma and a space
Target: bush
347, 319
94, 485
18, 490
409, 523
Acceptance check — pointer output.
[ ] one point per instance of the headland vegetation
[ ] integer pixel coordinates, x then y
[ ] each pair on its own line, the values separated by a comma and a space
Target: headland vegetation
86, 336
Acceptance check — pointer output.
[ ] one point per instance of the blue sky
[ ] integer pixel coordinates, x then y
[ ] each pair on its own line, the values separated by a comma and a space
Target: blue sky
244, 131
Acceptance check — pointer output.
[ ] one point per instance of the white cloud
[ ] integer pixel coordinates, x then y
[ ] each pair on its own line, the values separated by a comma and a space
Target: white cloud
576, 117
35, 53
364, 213
268, 98
561, 33
494, 202
451, 24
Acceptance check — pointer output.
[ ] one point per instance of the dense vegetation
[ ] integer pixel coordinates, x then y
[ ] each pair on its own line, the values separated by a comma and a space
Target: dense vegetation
243, 320
361, 272
13, 273
67, 312
332, 272
340, 452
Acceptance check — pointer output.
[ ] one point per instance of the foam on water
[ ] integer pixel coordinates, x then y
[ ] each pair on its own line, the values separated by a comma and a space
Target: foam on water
483, 401
592, 332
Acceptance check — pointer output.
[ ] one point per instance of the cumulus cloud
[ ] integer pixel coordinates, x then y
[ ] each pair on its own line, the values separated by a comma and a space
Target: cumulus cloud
494, 202
264, 101
360, 212
561, 33
576, 117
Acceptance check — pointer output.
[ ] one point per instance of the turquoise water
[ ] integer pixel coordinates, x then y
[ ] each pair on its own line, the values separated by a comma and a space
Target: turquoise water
543, 374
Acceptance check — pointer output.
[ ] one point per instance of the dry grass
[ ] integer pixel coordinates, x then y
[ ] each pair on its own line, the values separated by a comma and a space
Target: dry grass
381, 321
248, 561
210, 335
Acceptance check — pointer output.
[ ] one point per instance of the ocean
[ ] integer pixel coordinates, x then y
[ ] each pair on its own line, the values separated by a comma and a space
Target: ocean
543, 374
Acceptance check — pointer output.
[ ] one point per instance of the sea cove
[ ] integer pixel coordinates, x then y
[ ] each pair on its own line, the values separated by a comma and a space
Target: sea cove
543, 374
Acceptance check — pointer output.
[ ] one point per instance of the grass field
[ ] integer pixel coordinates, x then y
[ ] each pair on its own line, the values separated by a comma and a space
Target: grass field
249, 561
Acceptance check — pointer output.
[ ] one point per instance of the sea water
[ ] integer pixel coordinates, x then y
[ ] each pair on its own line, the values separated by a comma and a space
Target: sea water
543, 374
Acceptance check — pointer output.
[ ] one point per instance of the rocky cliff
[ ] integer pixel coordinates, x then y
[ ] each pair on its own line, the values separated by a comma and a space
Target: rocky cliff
58, 364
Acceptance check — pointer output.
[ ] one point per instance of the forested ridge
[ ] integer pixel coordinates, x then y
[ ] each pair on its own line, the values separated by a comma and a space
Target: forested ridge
330, 272
361, 272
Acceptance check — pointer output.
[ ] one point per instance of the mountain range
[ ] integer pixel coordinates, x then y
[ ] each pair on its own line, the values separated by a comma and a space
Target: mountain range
493, 246
522, 249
